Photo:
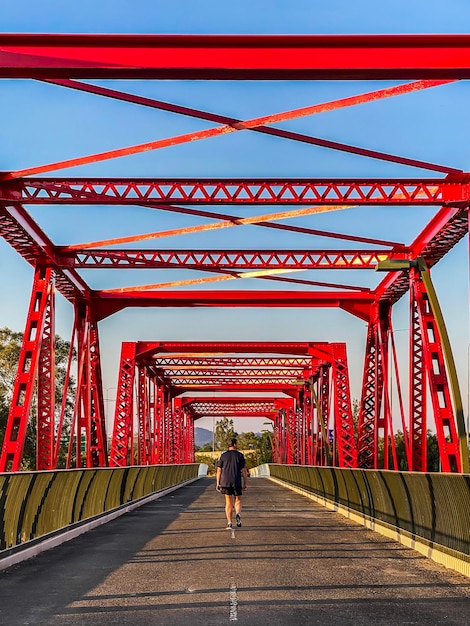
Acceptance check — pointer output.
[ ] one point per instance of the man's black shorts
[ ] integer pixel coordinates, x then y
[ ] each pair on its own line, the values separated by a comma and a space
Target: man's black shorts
232, 490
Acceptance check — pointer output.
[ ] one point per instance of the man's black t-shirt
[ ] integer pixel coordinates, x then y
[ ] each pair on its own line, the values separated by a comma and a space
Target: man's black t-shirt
231, 463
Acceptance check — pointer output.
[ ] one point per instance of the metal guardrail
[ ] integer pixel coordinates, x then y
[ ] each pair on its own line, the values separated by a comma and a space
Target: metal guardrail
429, 512
36, 504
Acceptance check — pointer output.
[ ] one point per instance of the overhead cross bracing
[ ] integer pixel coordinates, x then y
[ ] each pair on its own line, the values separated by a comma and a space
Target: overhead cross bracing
234, 275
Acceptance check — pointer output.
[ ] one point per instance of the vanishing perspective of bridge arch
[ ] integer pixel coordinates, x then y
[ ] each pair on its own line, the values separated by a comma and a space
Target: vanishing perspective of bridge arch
302, 387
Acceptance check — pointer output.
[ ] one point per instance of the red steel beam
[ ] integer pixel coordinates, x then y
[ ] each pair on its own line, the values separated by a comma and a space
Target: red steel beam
207, 362
235, 372
145, 349
234, 57
354, 302
230, 259
191, 191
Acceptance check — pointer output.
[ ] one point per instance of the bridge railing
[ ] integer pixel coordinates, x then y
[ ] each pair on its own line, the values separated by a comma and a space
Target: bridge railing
37, 504
429, 512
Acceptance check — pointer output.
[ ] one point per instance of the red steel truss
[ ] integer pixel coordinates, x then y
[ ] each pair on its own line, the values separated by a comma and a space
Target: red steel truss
289, 405
306, 384
454, 191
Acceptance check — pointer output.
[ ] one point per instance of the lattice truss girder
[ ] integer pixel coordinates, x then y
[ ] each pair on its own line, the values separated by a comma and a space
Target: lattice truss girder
165, 425
225, 191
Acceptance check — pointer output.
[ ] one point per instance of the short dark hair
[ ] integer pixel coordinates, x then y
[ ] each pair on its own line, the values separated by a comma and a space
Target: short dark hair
233, 441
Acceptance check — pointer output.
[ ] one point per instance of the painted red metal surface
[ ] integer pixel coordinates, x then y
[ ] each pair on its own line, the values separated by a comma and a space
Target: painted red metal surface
290, 406
312, 424
229, 57
15, 435
279, 191
230, 259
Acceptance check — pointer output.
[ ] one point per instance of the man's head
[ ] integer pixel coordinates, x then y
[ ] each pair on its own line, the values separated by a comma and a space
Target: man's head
233, 442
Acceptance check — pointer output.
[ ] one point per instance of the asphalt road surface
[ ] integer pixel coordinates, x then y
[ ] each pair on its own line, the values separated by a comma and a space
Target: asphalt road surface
172, 562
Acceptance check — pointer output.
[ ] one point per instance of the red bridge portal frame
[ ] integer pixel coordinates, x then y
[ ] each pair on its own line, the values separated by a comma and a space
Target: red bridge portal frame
307, 397
305, 387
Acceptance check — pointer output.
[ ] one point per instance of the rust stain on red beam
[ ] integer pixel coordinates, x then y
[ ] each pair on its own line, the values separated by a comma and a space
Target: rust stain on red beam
227, 129
233, 57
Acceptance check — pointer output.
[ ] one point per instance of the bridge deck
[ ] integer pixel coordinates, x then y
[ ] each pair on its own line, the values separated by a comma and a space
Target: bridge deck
172, 562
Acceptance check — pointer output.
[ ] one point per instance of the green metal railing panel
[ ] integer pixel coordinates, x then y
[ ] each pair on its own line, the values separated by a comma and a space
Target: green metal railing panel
56, 511
35, 504
430, 507
15, 497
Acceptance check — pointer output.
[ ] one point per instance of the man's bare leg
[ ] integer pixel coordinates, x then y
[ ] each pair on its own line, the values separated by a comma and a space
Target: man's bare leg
228, 508
238, 510
238, 505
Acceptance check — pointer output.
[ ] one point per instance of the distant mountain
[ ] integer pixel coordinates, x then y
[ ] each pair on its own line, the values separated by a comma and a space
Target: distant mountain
202, 436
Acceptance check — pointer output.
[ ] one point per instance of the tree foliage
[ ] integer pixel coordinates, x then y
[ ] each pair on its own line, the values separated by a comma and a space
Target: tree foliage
224, 431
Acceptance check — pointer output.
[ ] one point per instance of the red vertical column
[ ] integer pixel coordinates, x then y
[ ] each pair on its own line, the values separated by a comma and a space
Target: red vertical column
97, 454
123, 417
291, 431
167, 439
188, 442
144, 455
15, 433
368, 413
280, 437
418, 379
89, 407
322, 409
158, 424
308, 423
436, 372
177, 423
45, 429
344, 437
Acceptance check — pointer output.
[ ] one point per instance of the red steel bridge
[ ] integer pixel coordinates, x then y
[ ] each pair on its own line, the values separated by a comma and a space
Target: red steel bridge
302, 387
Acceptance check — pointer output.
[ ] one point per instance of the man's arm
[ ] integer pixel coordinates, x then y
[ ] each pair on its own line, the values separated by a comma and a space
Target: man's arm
219, 472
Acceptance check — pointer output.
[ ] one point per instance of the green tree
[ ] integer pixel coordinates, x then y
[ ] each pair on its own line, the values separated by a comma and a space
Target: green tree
266, 447
224, 431
433, 464
248, 441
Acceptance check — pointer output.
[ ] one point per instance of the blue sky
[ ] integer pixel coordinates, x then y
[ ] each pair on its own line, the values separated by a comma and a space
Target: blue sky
42, 123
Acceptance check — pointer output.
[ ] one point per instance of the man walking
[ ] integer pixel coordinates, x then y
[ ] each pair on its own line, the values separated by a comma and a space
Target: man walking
231, 481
